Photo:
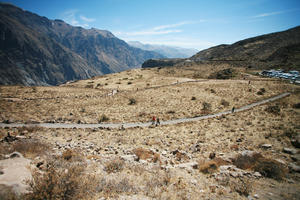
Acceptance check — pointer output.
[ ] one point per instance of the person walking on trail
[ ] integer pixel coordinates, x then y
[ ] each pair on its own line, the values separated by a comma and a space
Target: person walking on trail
157, 121
232, 110
153, 120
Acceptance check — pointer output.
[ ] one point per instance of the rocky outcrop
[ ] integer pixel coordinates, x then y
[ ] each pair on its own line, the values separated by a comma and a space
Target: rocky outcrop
160, 63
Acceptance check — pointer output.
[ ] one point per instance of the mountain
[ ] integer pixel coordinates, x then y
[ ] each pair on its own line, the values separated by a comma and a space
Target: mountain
275, 50
167, 51
37, 51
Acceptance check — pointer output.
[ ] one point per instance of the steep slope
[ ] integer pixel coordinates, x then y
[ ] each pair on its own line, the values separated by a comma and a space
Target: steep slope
37, 51
168, 51
281, 49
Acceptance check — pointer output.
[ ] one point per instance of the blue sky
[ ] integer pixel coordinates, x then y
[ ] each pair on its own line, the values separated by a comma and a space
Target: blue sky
186, 23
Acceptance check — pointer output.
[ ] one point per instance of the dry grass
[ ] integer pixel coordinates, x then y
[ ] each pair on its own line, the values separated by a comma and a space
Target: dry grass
114, 166
29, 148
267, 167
61, 183
154, 174
65, 104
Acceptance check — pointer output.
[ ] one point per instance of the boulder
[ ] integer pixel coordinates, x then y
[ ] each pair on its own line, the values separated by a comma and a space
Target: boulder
290, 151
296, 141
266, 146
294, 168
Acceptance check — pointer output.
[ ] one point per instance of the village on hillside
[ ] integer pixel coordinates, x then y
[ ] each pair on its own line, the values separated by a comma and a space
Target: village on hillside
292, 75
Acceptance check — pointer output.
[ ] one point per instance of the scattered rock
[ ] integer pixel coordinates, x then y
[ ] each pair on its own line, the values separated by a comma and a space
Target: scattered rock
15, 155
294, 167
296, 157
257, 174
212, 155
296, 141
190, 165
290, 151
266, 146
9, 138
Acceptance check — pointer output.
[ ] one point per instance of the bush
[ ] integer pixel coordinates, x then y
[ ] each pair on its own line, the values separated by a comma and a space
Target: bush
242, 186
114, 166
270, 168
297, 105
207, 167
224, 103
261, 91
267, 167
103, 118
60, 183
171, 112
206, 106
193, 98
132, 101
273, 109
27, 147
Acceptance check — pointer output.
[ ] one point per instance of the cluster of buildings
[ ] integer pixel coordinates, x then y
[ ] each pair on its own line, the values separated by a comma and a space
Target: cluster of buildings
293, 76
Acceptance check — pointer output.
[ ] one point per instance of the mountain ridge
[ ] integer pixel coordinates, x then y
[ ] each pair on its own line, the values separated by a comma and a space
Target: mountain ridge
35, 50
168, 51
278, 49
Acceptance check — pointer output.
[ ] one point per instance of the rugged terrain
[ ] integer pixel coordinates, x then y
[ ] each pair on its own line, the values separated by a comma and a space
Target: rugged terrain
37, 51
252, 154
275, 50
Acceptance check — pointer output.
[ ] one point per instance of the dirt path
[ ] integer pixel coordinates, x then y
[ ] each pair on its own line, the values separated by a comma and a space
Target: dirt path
145, 124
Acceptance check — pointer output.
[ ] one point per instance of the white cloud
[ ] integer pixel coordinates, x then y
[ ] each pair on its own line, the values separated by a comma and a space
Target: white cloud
86, 19
274, 13
268, 14
71, 17
148, 32
158, 30
177, 24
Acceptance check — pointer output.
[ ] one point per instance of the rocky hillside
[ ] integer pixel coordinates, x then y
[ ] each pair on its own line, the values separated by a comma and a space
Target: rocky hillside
275, 50
37, 51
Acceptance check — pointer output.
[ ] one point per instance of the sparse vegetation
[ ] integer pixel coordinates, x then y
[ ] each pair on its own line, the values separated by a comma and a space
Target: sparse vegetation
132, 101
224, 103
114, 166
68, 182
274, 109
261, 91
103, 118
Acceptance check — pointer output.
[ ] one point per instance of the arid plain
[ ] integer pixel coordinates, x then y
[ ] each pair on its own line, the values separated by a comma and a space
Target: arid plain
242, 155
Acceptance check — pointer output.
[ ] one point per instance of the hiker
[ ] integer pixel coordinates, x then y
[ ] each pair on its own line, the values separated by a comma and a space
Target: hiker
232, 110
153, 120
157, 121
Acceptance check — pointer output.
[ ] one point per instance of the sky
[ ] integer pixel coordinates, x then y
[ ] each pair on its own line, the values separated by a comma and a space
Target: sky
195, 24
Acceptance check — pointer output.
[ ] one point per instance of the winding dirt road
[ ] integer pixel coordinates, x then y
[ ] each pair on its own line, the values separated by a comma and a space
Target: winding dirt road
145, 124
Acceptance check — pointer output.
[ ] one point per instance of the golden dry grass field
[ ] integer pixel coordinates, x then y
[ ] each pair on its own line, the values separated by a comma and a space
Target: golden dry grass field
181, 161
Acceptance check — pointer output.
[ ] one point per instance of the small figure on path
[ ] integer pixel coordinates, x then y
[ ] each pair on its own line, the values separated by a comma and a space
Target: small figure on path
157, 121
153, 120
232, 110
249, 82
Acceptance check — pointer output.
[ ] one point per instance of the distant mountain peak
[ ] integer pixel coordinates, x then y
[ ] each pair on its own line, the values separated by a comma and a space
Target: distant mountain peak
167, 51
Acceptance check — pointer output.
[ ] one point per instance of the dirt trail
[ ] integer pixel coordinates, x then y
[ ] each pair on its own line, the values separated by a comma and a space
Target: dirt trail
145, 124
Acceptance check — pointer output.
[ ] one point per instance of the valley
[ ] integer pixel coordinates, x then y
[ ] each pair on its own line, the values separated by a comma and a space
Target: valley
188, 160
